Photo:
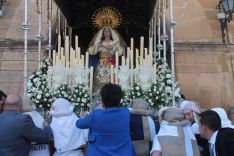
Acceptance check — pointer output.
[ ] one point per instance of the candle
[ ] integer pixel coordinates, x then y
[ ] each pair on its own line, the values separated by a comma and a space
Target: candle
132, 44
76, 41
150, 46
116, 66
141, 46
82, 60
54, 58
59, 43
87, 59
123, 61
112, 74
137, 57
67, 50
131, 58
91, 81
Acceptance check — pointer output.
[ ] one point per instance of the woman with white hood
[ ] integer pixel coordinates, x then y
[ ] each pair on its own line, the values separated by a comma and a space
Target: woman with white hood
225, 122
36, 149
68, 139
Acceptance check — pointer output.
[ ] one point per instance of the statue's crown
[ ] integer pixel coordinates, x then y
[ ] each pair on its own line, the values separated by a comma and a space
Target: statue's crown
106, 17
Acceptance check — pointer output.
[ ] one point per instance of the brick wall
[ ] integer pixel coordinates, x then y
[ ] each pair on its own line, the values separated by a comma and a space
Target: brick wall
12, 63
205, 73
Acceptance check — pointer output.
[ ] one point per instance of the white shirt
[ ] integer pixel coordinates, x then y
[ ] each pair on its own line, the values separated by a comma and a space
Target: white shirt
212, 141
168, 130
152, 128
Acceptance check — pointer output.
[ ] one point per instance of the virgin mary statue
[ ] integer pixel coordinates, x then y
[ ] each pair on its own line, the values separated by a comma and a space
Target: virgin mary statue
105, 45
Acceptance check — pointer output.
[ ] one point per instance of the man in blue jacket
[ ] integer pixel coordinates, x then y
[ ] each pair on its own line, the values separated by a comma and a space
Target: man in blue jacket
18, 130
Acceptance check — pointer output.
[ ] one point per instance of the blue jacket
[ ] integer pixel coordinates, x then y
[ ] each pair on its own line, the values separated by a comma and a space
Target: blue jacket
16, 133
109, 133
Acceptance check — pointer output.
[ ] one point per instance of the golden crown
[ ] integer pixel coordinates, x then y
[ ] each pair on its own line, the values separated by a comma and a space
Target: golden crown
106, 17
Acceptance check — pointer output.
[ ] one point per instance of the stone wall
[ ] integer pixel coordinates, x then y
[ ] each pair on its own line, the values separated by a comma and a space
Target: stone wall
205, 73
12, 64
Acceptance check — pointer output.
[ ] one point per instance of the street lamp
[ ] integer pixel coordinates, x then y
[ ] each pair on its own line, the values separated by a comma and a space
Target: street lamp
226, 9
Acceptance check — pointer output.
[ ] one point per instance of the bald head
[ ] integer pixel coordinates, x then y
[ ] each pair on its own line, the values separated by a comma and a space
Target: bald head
13, 102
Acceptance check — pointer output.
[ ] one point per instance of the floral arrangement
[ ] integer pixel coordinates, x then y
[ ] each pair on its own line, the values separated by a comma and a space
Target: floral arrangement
63, 91
125, 101
165, 79
136, 91
156, 96
37, 87
80, 96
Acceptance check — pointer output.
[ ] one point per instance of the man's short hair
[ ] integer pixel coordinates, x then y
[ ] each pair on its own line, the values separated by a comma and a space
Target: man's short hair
111, 95
210, 119
2, 95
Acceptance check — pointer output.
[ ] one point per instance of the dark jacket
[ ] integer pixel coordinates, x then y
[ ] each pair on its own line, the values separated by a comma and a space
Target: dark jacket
224, 144
16, 133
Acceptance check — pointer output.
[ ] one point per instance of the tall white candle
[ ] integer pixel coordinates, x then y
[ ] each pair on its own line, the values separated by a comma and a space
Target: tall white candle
123, 61
141, 46
76, 41
59, 43
87, 59
54, 58
91, 81
132, 44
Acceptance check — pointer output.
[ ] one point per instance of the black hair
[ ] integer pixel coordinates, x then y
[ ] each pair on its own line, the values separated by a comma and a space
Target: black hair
111, 95
210, 119
103, 37
2, 95
183, 97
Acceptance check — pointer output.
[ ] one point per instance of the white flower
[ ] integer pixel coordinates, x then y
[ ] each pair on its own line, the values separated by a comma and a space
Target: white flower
138, 94
65, 95
82, 104
168, 76
86, 95
40, 106
47, 94
137, 88
150, 94
78, 99
169, 82
150, 101
156, 98
83, 100
38, 97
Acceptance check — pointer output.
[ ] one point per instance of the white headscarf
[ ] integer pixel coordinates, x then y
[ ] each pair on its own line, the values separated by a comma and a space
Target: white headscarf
29, 108
67, 136
226, 123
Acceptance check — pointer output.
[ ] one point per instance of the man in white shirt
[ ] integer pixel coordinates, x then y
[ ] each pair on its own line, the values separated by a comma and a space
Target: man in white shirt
221, 140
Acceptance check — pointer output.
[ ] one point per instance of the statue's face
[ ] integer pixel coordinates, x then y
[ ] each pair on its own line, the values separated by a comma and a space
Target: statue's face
107, 32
